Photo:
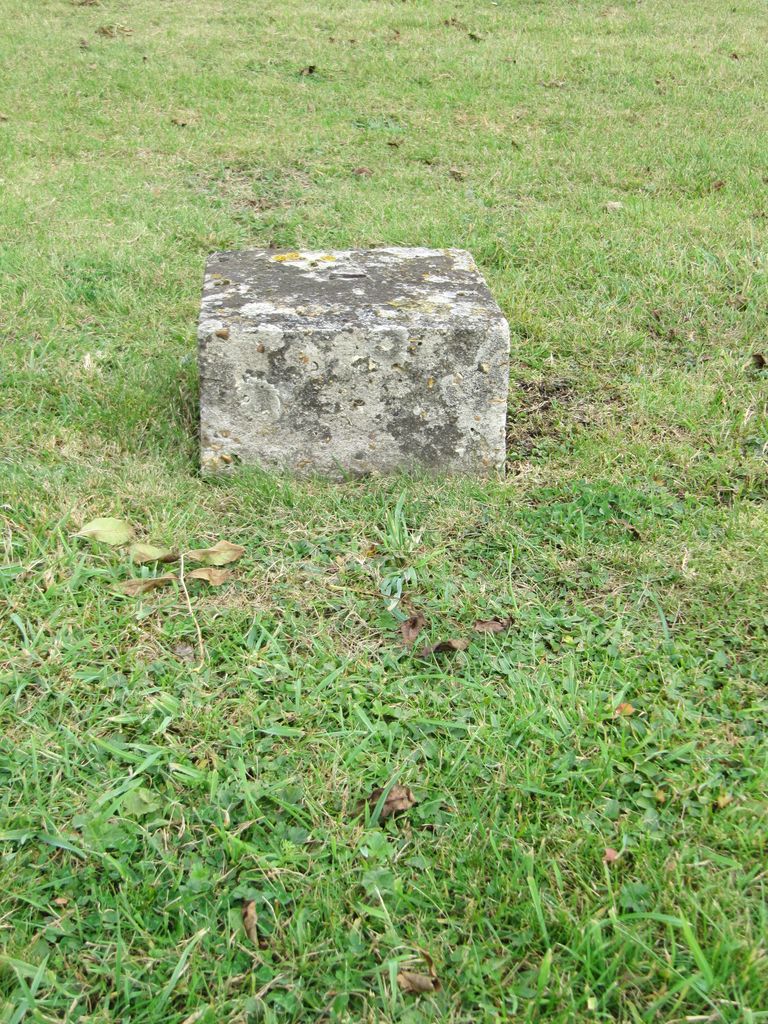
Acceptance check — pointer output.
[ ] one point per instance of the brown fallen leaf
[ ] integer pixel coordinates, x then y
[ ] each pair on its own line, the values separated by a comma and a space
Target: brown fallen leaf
135, 588
631, 529
113, 31
413, 983
411, 628
363, 172
624, 710
717, 186
397, 800
249, 921
221, 553
443, 647
610, 856
492, 625
457, 174
141, 553
310, 69
759, 361
60, 901
184, 652
213, 576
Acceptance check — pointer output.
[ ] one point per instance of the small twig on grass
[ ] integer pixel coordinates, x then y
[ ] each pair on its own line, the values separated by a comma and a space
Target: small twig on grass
200, 644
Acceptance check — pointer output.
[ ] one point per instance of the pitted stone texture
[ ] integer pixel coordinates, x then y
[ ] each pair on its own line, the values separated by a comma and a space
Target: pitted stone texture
352, 362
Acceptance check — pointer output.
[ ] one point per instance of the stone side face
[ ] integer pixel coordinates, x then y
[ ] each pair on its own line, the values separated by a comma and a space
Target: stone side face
352, 362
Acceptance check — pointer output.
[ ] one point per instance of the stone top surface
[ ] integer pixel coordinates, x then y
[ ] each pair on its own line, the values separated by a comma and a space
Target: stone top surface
344, 289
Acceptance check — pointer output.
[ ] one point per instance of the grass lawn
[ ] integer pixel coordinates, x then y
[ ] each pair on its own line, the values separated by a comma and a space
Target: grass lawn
607, 164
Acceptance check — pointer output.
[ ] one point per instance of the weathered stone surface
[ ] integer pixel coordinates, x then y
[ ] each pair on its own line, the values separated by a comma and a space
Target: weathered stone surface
352, 362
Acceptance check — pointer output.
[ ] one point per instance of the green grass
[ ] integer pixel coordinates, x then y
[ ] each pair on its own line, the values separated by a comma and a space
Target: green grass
141, 800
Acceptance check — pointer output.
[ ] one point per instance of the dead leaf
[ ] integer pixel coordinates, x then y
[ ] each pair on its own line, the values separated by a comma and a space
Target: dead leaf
135, 588
717, 186
457, 174
475, 37
411, 628
443, 647
398, 799
492, 625
213, 576
610, 856
221, 553
113, 31
60, 901
614, 206
624, 710
141, 553
759, 361
184, 652
363, 172
414, 983
310, 69
631, 529
107, 530
249, 921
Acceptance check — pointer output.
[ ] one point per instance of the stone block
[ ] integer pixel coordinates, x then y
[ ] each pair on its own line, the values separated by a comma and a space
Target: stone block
352, 362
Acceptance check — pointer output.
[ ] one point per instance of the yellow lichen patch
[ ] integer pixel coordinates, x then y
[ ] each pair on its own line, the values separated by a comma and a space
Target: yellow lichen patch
327, 258
419, 305
285, 257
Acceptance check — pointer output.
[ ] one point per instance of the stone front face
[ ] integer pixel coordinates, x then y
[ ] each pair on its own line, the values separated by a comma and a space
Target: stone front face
361, 361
